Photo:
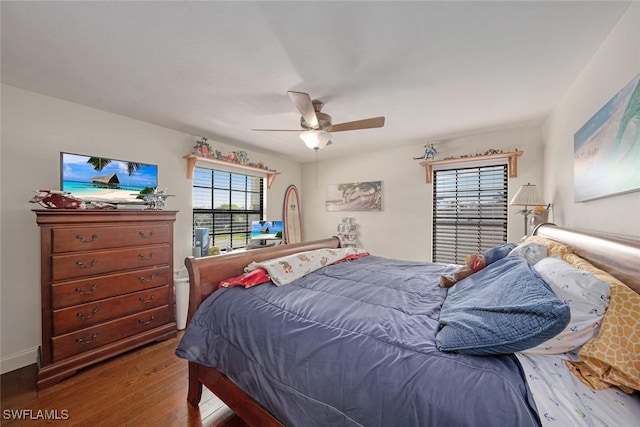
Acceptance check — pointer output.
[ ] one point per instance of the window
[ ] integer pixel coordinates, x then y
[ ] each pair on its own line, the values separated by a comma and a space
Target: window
469, 211
226, 203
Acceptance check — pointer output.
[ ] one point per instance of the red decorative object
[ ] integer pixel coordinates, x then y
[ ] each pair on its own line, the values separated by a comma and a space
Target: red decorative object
55, 199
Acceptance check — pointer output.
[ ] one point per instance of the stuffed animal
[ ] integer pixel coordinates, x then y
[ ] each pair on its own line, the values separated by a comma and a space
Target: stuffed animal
473, 263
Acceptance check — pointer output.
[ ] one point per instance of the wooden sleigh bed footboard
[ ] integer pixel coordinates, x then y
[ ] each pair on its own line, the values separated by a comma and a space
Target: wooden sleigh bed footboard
243, 405
614, 254
204, 275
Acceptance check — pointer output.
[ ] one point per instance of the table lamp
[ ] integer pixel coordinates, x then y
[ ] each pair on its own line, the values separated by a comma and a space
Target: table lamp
527, 196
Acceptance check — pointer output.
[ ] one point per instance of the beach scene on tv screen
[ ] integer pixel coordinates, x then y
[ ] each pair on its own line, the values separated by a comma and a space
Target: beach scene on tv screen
99, 179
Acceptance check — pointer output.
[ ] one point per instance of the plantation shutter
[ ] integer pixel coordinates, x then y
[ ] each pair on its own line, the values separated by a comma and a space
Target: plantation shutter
469, 211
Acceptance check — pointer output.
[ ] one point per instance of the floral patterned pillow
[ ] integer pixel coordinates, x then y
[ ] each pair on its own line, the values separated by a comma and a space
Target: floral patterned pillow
289, 268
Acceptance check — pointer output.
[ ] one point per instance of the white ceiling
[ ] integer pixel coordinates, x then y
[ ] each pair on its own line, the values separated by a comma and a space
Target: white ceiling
218, 69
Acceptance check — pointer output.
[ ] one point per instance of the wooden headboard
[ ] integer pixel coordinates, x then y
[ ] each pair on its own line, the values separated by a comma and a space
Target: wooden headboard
617, 255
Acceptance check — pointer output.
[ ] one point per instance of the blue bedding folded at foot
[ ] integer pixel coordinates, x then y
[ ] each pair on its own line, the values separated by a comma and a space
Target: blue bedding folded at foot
353, 344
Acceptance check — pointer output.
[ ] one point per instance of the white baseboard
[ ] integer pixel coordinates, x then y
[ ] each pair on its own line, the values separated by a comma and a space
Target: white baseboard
18, 360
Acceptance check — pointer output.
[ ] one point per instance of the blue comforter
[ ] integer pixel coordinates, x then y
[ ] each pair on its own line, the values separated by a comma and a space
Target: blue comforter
353, 344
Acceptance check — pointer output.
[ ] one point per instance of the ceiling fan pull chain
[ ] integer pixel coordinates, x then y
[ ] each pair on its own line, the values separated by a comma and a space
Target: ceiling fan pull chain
316, 150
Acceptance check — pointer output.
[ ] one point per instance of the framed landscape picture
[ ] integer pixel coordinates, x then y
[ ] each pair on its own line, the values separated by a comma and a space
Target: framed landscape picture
606, 151
356, 196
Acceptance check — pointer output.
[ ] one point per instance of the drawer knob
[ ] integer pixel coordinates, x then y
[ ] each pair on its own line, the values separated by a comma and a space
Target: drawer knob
83, 316
145, 235
83, 240
82, 341
146, 322
90, 291
147, 300
146, 257
82, 265
147, 279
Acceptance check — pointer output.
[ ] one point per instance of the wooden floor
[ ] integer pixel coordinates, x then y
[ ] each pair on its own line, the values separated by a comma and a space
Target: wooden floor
145, 387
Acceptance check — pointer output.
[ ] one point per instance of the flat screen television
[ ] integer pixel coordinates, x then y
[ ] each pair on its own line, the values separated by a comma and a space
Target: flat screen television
266, 230
99, 179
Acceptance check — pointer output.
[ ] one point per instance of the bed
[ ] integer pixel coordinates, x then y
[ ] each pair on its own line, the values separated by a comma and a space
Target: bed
364, 342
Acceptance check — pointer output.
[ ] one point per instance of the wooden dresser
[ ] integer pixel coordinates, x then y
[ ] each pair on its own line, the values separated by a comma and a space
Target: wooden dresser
106, 285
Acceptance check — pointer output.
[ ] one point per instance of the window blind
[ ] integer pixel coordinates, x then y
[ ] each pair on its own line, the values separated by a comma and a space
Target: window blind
226, 203
469, 211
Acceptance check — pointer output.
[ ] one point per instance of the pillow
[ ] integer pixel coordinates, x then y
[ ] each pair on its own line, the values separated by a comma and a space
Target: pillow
588, 299
531, 251
611, 358
286, 269
505, 308
253, 278
498, 252
553, 248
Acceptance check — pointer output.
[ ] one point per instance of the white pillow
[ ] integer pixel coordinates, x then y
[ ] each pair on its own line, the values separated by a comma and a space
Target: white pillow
588, 299
531, 251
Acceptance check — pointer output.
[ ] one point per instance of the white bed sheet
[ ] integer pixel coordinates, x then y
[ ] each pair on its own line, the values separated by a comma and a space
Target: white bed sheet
564, 401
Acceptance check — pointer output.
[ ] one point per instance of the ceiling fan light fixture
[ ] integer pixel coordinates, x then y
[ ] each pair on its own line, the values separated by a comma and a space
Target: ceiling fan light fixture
315, 139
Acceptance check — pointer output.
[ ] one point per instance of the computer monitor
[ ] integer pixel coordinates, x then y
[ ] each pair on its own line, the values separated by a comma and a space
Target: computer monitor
266, 230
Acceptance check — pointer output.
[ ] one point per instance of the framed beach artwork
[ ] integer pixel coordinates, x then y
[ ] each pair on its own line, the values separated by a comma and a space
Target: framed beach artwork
606, 151
356, 196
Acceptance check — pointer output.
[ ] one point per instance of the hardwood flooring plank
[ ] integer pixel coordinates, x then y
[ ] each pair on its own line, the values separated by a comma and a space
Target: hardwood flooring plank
147, 386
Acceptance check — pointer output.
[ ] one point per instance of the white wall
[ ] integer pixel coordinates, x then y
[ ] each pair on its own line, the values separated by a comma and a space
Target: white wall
35, 128
403, 228
615, 64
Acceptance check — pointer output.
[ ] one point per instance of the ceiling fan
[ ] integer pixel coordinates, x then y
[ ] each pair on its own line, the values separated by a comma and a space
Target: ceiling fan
316, 126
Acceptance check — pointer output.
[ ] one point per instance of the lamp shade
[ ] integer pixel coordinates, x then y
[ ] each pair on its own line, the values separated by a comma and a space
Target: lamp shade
315, 139
527, 195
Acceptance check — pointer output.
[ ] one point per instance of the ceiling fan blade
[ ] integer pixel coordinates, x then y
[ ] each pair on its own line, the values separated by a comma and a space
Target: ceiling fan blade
303, 103
374, 122
277, 130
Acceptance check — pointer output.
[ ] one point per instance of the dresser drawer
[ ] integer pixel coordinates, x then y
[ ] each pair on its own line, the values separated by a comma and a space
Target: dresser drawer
97, 237
94, 337
97, 262
84, 315
86, 290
